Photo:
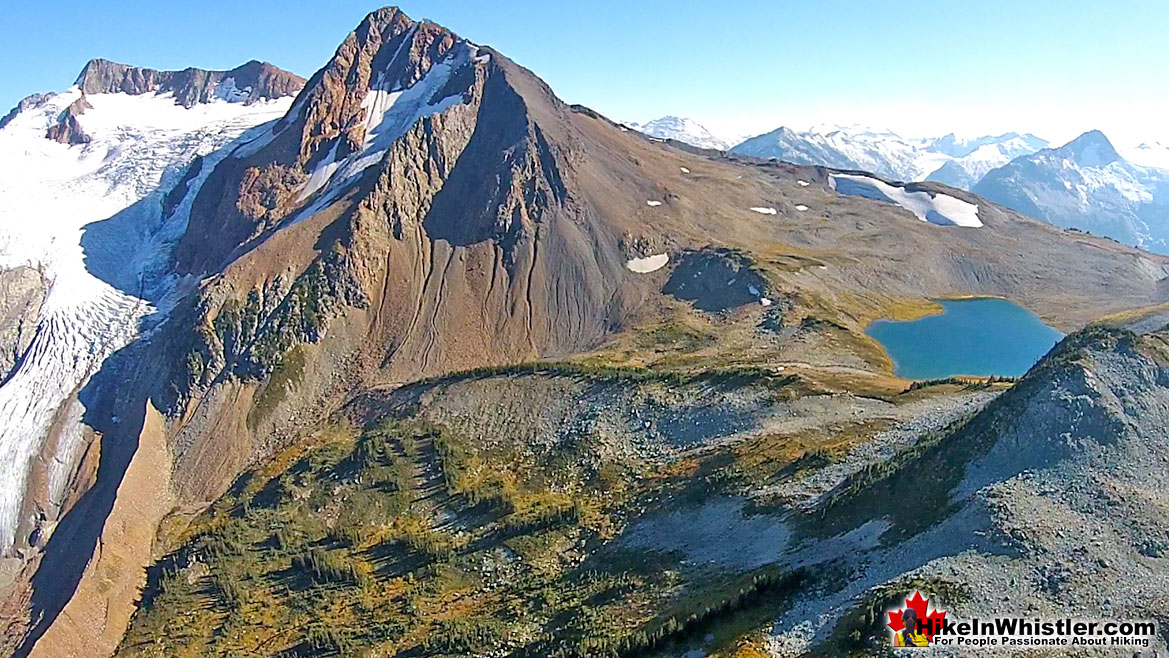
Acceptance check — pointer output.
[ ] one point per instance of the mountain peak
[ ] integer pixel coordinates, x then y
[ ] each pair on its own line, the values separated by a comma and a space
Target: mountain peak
1092, 149
248, 83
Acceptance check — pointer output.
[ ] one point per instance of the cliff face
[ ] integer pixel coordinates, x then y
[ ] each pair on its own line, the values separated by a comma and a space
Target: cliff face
249, 83
67, 128
427, 206
22, 292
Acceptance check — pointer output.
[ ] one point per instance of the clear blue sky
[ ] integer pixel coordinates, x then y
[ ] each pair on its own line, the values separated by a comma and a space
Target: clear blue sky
922, 66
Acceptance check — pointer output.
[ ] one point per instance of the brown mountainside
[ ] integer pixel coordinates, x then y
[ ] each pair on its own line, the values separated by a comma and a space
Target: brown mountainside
428, 206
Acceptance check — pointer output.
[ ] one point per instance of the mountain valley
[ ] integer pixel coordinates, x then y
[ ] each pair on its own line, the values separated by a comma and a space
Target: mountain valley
413, 358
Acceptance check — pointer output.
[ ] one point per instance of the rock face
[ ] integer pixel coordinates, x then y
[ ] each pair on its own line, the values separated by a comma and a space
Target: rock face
428, 206
22, 291
439, 232
67, 129
249, 83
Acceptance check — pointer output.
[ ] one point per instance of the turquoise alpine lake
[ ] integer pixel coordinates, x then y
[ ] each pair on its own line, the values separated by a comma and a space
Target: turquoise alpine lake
982, 337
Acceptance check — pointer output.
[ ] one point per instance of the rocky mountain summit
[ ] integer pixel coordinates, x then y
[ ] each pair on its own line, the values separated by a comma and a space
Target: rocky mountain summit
249, 83
427, 362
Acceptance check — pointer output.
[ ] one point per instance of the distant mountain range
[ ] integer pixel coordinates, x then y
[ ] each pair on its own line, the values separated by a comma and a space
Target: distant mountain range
948, 159
952, 160
1085, 184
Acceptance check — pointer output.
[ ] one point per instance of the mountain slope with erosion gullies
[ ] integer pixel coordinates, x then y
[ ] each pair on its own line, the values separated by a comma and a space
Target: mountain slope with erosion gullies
426, 209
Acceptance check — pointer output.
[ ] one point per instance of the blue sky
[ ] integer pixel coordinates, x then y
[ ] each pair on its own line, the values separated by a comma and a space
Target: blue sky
1055, 68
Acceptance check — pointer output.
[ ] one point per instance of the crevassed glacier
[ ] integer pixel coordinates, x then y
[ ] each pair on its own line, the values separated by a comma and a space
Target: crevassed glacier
49, 193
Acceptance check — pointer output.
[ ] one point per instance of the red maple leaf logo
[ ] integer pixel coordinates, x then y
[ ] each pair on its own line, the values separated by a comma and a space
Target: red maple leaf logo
920, 605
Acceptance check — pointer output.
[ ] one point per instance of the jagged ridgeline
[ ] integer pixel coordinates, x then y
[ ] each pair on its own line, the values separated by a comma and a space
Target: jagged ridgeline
455, 368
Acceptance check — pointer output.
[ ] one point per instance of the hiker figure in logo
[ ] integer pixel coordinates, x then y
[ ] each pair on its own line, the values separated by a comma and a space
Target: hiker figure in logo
910, 635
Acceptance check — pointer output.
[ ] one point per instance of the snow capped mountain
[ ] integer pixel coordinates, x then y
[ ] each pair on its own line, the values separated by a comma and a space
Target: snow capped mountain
87, 198
974, 158
1086, 184
682, 130
947, 159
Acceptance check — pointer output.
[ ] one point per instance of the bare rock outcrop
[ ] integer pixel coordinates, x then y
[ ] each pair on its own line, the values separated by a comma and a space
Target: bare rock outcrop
22, 292
67, 128
249, 83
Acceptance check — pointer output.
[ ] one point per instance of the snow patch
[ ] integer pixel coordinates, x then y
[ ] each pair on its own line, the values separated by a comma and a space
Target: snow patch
684, 170
801, 207
647, 264
653, 204
802, 183
764, 211
940, 209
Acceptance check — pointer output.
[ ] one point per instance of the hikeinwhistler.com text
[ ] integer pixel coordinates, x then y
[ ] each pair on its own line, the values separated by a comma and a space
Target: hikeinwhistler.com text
1019, 632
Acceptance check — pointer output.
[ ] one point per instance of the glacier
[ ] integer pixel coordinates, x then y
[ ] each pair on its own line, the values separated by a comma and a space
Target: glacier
90, 218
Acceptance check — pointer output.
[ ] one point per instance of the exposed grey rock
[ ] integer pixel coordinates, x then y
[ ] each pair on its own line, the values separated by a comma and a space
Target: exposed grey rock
67, 129
22, 291
249, 83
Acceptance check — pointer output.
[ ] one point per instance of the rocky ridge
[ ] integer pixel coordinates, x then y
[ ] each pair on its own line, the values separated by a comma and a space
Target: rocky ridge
249, 83
428, 206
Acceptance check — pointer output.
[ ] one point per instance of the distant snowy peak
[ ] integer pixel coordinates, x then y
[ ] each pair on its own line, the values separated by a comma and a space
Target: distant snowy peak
250, 83
950, 159
1085, 184
959, 147
882, 153
684, 130
1092, 149
974, 158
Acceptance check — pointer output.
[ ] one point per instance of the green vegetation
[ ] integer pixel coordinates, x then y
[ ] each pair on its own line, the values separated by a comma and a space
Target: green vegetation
251, 339
912, 491
286, 376
408, 540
